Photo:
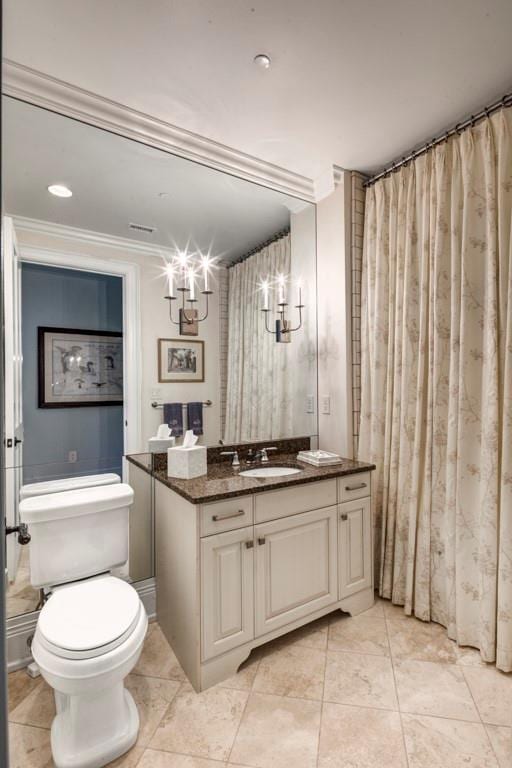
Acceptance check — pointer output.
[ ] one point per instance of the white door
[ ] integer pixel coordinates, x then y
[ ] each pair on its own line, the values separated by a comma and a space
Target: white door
296, 567
227, 585
355, 553
13, 412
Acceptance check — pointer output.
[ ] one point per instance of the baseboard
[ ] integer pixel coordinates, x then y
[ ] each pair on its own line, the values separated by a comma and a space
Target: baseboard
20, 629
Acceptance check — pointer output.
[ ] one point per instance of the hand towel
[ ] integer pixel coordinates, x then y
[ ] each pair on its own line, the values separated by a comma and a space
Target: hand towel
195, 417
173, 416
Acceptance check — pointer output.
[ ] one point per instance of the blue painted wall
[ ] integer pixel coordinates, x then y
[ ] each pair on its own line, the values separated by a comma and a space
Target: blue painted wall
66, 298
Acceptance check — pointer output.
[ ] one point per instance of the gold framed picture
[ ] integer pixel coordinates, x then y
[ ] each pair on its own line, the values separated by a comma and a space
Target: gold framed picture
180, 360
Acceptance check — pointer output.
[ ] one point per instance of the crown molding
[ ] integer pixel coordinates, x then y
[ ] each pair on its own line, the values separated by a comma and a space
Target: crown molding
27, 84
25, 224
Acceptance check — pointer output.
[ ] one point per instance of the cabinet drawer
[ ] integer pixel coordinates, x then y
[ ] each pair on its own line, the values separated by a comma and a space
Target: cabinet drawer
290, 501
354, 486
227, 515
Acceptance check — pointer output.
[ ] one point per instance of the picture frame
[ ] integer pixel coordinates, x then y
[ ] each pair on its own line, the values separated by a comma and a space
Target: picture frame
180, 360
79, 368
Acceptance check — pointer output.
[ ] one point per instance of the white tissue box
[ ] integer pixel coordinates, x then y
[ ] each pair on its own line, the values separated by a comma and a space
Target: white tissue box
160, 444
186, 463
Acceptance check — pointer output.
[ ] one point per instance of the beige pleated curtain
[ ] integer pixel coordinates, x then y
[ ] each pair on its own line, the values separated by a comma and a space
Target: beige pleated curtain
436, 410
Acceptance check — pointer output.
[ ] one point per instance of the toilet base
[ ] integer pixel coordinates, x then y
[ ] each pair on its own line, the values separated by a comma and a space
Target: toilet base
89, 732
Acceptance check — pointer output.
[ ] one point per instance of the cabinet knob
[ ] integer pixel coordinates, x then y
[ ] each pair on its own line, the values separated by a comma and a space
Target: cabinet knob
343, 516
249, 544
261, 540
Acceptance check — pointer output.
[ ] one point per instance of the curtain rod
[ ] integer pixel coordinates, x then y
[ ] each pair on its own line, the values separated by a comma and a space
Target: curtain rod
506, 101
260, 247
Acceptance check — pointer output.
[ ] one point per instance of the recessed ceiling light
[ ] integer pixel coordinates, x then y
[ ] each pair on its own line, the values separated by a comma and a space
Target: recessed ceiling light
59, 190
262, 61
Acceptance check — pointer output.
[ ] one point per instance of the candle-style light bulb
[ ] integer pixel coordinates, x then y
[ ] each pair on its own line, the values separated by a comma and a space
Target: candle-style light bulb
206, 263
264, 287
191, 285
170, 280
299, 284
280, 281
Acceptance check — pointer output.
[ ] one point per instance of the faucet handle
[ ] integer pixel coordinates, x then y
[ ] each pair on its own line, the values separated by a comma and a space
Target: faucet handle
234, 454
264, 451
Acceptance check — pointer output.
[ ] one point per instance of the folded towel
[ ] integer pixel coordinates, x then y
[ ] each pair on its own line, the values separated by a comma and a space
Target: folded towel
195, 417
173, 416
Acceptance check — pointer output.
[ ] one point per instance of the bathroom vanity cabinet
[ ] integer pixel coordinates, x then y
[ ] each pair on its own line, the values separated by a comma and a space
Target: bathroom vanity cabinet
235, 573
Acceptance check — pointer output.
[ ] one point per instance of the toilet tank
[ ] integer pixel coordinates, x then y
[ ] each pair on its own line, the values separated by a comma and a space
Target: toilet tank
76, 534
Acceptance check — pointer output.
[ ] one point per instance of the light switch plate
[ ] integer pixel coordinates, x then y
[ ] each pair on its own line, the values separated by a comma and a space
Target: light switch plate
310, 403
326, 404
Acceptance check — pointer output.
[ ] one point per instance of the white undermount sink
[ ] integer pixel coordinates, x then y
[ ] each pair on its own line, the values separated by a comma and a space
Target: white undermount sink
270, 472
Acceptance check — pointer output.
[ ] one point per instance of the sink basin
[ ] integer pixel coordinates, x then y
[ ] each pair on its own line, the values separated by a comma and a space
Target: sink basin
270, 472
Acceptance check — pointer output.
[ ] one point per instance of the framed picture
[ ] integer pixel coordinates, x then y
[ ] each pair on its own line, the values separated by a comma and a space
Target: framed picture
79, 368
188, 322
180, 360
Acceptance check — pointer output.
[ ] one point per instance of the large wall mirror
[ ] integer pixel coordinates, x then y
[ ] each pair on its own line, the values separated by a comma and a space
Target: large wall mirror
148, 287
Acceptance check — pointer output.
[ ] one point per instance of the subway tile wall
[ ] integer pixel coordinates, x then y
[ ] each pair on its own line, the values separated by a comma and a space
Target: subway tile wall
357, 225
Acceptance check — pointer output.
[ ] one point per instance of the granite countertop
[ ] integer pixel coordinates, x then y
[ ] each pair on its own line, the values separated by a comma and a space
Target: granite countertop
224, 482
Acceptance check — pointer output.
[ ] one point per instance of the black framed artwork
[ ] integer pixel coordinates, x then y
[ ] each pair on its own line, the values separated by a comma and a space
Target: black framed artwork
79, 368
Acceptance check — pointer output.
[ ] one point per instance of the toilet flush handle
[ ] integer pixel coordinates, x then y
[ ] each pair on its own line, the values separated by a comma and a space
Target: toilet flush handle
21, 530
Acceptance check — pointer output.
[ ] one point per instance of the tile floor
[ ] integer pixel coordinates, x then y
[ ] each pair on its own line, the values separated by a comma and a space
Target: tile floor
376, 691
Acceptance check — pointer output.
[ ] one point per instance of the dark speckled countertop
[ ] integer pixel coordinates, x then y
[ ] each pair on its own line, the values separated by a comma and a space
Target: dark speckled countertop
224, 482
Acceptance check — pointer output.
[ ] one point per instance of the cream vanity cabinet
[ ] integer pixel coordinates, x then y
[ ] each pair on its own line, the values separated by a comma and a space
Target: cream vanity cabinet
234, 574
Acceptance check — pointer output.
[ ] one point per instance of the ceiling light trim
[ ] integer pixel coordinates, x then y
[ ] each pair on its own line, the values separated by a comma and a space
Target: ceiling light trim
27, 84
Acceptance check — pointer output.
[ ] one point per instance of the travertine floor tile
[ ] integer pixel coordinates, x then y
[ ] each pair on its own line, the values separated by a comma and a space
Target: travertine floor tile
492, 691
153, 758
278, 732
201, 724
359, 634
415, 639
360, 679
243, 679
20, 685
152, 697
129, 760
38, 708
355, 737
313, 635
29, 747
501, 740
435, 742
429, 688
157, 658
292, 671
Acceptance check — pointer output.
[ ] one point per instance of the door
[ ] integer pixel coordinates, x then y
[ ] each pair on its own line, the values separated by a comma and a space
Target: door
227, 587
355, 547
13, 413
296, 567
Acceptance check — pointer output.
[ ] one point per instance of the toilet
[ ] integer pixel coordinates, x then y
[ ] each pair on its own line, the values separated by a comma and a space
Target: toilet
67, 484
90, 631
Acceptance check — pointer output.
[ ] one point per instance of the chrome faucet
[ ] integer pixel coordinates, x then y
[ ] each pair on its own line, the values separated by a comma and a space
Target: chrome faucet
264, 451
260, 455
234, 454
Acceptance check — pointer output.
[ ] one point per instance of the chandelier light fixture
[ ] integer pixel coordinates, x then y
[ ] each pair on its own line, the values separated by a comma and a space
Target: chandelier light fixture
283, 329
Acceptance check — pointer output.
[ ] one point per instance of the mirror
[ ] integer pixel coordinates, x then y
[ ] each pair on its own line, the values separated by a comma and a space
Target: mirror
157, 281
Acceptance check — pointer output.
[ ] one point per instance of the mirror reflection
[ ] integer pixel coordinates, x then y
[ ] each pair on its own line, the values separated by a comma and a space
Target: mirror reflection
147, 295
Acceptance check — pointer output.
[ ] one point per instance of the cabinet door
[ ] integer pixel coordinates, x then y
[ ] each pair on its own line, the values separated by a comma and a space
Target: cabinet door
227, 587
355, 546
296, 567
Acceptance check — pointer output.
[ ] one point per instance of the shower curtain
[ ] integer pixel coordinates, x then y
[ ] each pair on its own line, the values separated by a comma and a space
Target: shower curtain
259, 390
436, 410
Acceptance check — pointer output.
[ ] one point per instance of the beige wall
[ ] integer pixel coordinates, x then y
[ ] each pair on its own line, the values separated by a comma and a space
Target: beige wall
334, 319
154, 324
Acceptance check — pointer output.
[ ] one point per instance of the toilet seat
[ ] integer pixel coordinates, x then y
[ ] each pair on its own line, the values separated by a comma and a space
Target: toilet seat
89, 618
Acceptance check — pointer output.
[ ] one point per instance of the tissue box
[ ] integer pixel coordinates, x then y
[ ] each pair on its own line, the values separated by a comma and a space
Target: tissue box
186, 463
160, 444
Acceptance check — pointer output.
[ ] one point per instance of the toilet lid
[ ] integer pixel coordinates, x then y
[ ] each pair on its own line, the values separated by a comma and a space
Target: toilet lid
89, 618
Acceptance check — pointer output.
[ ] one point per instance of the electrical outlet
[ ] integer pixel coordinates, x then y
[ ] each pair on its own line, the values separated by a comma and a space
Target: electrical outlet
72, 457
326, 404
310, 403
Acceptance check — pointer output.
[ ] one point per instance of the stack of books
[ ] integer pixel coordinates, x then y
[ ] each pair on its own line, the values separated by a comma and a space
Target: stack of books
319, 458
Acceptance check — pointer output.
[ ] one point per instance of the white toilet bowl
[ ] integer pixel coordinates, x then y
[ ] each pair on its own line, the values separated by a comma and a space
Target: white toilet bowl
90, 632
88, 639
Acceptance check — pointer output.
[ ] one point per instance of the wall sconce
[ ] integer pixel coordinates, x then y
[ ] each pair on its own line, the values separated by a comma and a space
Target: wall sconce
283, 329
